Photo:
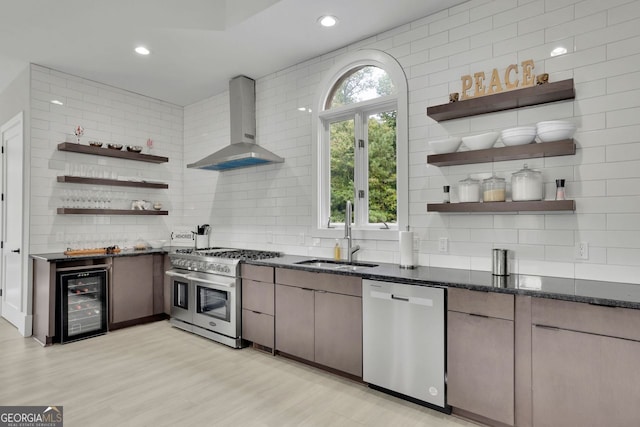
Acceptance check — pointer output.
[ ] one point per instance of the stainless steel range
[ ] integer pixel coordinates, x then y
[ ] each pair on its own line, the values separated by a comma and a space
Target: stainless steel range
206, 294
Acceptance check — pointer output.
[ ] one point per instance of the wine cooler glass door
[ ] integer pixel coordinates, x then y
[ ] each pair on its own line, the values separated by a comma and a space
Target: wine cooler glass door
83, 304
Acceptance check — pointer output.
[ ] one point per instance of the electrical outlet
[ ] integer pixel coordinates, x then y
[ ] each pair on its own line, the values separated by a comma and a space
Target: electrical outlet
443, 244
416, 243
316, 241
582, 250
269, 236
59, 237
301, 239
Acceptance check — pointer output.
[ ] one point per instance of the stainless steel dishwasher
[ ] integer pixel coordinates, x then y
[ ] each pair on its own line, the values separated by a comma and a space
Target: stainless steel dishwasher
404, 341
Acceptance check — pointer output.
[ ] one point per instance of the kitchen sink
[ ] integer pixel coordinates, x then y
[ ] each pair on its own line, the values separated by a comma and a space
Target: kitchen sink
336, 265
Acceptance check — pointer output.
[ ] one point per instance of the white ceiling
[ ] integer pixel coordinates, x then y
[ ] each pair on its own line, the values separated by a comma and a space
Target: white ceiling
196, 45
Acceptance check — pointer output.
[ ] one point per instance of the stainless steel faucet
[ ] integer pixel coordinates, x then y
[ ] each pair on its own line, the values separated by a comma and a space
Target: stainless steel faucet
347, 232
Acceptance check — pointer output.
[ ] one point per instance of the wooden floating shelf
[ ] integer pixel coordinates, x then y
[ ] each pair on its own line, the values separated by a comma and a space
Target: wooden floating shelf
108, 152
533, 206
517, 152
112, 182
76, 211
534, 95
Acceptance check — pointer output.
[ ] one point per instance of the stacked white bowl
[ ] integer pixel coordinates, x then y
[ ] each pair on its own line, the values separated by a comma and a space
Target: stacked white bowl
555, 130
445, 145
480, 142
518, 136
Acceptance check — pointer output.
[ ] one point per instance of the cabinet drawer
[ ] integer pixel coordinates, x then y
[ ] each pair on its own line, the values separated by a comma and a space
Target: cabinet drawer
257, 328
583, 317
256, 272
336, 283
488, 304
257, 296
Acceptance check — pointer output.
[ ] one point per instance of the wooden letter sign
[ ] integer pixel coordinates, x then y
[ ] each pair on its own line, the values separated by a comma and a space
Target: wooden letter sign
496, 85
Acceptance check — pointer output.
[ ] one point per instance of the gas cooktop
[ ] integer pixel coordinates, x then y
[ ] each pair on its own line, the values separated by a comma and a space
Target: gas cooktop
229, 253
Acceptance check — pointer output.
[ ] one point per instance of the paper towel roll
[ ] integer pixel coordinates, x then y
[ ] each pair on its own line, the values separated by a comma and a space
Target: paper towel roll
406, 249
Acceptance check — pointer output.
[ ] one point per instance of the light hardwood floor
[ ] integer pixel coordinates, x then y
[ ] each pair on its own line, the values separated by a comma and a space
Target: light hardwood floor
156, 375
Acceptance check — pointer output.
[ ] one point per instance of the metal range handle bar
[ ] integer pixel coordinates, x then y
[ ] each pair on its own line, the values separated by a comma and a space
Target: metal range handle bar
210, 282
175, 274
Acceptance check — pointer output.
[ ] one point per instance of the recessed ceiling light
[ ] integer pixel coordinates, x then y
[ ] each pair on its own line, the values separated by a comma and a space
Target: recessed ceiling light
328, 21
55, 101
142, 50
558, 51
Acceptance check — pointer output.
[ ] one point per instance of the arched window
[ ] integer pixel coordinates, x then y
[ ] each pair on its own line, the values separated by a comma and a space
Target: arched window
362, 142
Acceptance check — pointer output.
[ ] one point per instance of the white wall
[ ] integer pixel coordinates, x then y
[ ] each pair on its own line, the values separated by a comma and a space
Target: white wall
109, 115
256, 206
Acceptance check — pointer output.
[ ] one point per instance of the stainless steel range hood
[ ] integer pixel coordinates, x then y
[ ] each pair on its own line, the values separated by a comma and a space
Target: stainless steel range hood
243, 151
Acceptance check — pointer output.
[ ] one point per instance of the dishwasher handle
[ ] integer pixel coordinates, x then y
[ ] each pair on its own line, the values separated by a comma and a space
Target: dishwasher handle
417, 300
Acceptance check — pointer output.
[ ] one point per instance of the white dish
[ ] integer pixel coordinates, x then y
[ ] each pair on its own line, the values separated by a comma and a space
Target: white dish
518, 136
480, 142
157, 244
555, 130
556, 135
445, 145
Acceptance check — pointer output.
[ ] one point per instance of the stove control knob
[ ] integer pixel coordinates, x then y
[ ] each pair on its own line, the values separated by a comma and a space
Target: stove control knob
226, 269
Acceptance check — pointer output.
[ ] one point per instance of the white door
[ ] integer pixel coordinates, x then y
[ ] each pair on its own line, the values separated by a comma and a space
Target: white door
14, 297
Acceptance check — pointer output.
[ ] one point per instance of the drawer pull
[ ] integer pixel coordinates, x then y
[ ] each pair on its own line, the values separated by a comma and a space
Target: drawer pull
478, 315
551, 328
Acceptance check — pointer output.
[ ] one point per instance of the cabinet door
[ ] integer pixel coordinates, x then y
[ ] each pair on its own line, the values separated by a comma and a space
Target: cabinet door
257, 328
294, 321
480, 365
338, 332
131, 288
581, 379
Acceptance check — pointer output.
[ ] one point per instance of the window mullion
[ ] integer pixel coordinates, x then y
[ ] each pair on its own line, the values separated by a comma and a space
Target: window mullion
361, 211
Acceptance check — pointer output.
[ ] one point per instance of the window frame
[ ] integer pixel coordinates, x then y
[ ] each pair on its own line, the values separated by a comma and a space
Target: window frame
321, 117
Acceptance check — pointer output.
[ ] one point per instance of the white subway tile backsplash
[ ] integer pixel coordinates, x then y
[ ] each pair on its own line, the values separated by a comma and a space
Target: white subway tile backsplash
506, 17
624, 12
629, 221
608, 272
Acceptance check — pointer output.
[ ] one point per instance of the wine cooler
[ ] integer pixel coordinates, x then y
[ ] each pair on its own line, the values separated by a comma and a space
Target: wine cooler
82, 304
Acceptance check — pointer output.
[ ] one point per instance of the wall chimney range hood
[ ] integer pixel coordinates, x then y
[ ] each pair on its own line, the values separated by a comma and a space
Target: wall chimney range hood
243, 151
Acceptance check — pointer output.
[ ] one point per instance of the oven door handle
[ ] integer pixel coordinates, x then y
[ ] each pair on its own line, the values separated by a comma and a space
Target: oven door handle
194, 278
174, 274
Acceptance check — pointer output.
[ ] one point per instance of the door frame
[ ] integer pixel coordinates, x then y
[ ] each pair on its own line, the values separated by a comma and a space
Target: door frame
21, 319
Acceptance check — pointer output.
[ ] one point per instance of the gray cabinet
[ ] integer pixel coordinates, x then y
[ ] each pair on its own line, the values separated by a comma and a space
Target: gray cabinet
318, 318
294, 321
338, 331
258, 294
584, 365
132, 288
480, 354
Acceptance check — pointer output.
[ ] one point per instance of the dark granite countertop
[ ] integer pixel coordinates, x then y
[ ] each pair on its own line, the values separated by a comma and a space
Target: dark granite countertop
59, 256
614, 294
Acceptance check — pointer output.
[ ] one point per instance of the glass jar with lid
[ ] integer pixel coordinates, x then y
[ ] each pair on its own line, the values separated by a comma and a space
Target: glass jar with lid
526, 184
494, 189
469, 190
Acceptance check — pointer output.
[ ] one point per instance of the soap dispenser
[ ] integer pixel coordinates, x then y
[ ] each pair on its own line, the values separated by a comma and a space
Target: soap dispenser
336, 250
